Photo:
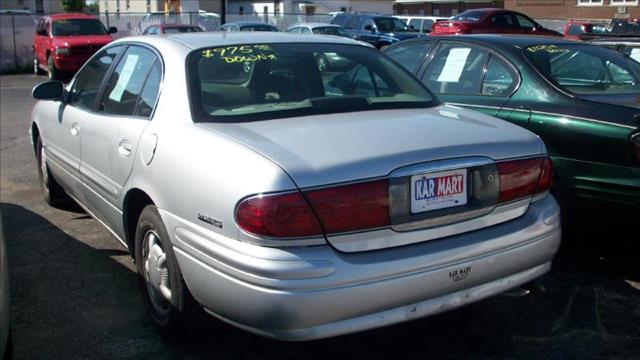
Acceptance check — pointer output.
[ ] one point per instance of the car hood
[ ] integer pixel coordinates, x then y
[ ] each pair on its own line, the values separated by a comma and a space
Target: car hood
403, 35
333, 148
71, 41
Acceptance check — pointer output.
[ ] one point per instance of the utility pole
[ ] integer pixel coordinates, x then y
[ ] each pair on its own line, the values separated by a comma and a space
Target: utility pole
223, 12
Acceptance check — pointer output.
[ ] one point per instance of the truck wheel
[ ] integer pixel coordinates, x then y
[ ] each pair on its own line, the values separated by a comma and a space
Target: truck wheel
171, 306
54, 74
36, 66
52, 192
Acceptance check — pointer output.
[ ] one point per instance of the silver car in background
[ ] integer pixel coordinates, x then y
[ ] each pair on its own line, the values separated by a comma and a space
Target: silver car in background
293, 203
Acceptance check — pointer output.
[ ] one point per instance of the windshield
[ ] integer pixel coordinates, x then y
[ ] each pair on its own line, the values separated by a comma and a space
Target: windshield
267, 81
182, 29
331, 30
473, 15
258, 28
586, 69
390, 24
71, 27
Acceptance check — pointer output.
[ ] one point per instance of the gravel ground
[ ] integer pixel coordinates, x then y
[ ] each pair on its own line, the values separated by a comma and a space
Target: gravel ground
75, 296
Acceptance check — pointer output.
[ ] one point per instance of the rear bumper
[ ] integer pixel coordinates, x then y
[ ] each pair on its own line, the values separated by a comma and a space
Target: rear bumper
317, 292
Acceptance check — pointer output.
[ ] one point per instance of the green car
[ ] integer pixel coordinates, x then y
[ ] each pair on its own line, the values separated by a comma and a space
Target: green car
583, 100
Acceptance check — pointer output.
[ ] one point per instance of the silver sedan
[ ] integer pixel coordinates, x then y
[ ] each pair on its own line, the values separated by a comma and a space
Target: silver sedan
290, 202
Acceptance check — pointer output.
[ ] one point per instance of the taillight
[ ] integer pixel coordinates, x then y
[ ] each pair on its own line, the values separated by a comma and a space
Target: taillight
339, 209
278, 215
635, 147
352, 207
521, 178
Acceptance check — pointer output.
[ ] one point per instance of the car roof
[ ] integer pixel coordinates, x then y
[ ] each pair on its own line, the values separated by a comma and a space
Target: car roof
316, 25
247, 23
506, 40
211, 39
71, 16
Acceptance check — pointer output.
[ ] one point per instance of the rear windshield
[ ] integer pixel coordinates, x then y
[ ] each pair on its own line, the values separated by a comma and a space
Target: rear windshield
586, 69
258, 28
267, 81
71, 27
182, 29
331, 30
390, 24
473, 15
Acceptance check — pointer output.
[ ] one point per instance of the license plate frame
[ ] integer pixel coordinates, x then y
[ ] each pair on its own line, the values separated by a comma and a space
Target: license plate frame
438, 190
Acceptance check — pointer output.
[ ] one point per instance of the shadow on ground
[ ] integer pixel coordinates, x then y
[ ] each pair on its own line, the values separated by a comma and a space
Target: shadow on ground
74, 301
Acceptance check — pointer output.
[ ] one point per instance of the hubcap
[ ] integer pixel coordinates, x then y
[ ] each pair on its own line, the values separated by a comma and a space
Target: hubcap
43, 169
156, 273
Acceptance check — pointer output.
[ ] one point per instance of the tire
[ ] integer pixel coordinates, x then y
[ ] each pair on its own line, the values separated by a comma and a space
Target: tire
173, 310
323, 63
36, 66
52, 192
54, 74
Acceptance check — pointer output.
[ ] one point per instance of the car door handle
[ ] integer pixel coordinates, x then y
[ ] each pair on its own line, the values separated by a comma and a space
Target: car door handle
124, 148
75, 129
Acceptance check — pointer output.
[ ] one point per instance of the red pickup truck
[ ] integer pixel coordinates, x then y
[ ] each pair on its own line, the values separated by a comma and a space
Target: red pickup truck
63, 42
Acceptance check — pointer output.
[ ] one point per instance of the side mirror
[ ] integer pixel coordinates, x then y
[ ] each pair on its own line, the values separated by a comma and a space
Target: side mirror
50, 90
368, 27
113, 30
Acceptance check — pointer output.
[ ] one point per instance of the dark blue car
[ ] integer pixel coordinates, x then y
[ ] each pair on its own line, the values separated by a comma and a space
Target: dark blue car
378, 30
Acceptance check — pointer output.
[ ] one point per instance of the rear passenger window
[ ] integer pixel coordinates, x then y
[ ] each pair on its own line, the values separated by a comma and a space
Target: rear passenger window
149, 94
410, 56
125, 85
499, 80
351, 23
456, 69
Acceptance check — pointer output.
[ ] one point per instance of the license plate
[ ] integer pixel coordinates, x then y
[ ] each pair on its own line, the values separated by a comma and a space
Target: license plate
438, 190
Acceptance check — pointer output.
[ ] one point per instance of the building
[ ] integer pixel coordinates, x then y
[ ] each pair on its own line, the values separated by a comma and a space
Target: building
442, 7
34, 6
576, 9
146, 6
308, 7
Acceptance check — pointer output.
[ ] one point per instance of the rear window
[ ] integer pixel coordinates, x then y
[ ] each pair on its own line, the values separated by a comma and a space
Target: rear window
267, 81
71, 27
586, 69
258, 28
331, 30
472, 15
177, 30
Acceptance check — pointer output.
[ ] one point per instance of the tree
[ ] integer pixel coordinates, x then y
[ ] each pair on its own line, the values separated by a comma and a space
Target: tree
92, 8
72, 5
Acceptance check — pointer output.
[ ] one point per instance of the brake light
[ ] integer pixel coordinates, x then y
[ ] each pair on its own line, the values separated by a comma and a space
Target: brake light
339, 209
352, 207
521, 178
277, 215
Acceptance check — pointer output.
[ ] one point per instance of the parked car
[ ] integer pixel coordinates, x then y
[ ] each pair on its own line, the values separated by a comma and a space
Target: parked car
171, 29
581, 99
491, 21
247, 26
625, 28
326, 61
379, 31
272, 195
627, 46
5, 323
422, 24
578, 30
63, 42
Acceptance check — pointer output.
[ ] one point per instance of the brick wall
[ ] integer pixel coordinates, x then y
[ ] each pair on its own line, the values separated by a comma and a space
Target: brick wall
569, 9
